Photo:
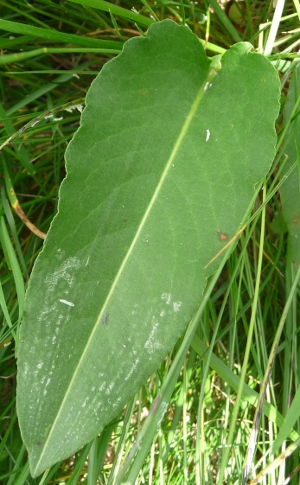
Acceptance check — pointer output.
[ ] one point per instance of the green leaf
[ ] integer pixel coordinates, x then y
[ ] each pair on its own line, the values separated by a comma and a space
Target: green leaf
160, 176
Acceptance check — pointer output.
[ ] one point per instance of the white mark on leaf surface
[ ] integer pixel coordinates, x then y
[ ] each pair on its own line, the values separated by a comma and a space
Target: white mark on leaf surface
66, 302
152, 344
63, 273
166, 297
110, 388
176, 306
85, 402
134, 365
207, 135
116, 403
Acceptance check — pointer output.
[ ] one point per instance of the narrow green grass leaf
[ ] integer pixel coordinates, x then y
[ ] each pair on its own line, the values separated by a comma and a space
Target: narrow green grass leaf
22, 152
225, 20
21, 56
10, 43
55, 36
290, 190
279, 461
160, 176
5, 311
116, 10
13, 230
41, 91
14, 264
248, 394
289, 421
266, 380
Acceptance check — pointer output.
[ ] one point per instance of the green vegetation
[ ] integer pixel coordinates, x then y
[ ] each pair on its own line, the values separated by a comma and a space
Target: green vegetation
232, 381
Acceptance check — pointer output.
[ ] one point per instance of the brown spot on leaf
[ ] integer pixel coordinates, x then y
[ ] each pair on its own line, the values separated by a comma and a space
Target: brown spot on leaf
295, 220
222, 236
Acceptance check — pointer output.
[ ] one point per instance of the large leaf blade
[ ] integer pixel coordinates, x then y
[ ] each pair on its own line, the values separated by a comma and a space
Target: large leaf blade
160, 175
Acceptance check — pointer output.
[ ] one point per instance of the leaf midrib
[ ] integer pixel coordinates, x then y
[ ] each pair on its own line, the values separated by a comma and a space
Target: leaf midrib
211, 74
